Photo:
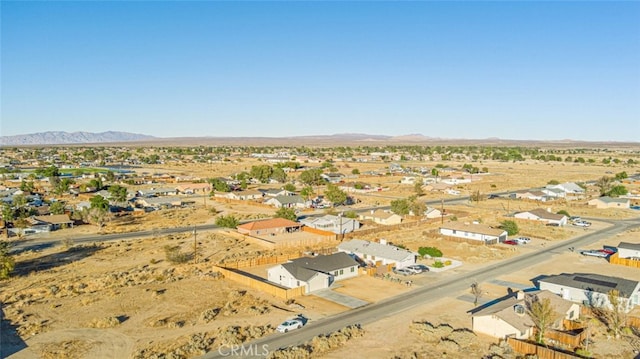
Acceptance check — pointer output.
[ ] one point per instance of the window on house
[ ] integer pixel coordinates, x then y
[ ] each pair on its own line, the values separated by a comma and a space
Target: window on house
454, 231
335, 273
341, 271
353, 269
298, 283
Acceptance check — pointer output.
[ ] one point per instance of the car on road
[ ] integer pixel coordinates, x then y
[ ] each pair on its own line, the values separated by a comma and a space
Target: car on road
492, 196
417, 268
594, 253
553, 224
581, 223
635, 207
403, 271
290, 324
511, 242
522, 240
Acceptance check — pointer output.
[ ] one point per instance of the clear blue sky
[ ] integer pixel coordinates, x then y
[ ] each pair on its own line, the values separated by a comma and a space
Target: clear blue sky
532, 70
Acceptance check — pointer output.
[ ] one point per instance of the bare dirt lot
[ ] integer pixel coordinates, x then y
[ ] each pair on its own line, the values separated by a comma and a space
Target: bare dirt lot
123, 299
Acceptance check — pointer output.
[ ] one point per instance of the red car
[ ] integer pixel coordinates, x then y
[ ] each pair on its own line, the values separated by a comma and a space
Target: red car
511, 242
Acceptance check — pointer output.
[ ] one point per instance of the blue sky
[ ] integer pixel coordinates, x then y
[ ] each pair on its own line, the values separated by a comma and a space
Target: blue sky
514, 70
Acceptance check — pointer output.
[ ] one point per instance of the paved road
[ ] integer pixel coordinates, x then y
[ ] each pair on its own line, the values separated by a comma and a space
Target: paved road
387, 308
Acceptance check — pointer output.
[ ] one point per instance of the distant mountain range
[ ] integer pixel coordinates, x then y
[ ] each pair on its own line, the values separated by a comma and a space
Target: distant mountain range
343, 139
61, 138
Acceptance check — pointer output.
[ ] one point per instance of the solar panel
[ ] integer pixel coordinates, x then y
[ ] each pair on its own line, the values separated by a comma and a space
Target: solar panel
595, 282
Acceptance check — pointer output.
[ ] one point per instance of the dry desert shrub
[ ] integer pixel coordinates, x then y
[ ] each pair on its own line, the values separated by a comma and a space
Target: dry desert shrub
106, 322
321, 344
68, 349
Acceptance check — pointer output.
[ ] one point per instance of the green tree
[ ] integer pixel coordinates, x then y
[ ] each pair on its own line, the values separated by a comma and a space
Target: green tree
563, 212
118, 193
417, 188
542, 314
289, 187
617, 191
99, 202
416, 207
621, 175
355, 171
27, 186
7, 263
286, 213
56, 207
279, 175
435, 173
306, 192
335, 194
432, 252
351, 214
604, 183
96, 183
312, 177
219, 185
262, 173
553, 182
227, 221
8, 215
401, 206
510, 226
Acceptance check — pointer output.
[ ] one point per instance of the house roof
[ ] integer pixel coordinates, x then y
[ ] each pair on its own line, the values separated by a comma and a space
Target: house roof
269, 223
379, 213
544, 214
474, 228
593, 282
326, 220
54, 219
298, 272
375, 249
627, 245
607, 199
505, 309
325, 263
288, 199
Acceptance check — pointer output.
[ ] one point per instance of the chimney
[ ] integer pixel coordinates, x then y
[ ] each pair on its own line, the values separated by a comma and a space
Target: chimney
520, 295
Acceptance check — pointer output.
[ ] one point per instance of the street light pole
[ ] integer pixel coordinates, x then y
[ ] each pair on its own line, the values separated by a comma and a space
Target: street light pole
195, 246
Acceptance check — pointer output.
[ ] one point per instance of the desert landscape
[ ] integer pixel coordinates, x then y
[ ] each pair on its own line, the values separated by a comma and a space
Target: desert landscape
129, 298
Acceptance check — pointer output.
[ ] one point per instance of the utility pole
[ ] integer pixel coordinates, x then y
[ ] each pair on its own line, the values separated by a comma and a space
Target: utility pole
442, 211
195, 245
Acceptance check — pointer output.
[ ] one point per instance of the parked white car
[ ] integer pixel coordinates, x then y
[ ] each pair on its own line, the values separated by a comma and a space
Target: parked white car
522, 240
581, 223
290, 324
403, 271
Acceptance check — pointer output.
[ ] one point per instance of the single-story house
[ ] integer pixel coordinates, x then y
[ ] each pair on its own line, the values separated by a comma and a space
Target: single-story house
335, 224
194, 188
571, 190
243, 195
380, 216
530, 195
431, 213
269, 226
509, 317
475, 232
591, 289
358, 187
609, 202
332, 177
287, 202
437, 187
540, 214
54, 221
372, 252
274, 192
154, 192
314, 273
629, 250
554, 193
159, 202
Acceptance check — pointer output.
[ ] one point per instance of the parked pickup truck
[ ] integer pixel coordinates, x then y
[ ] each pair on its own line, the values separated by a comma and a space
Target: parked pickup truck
594, 253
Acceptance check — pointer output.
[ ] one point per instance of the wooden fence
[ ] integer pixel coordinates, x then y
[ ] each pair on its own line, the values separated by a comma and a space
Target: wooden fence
260, 261
615, 259
572, 339
384, 228
261, 284
525, 348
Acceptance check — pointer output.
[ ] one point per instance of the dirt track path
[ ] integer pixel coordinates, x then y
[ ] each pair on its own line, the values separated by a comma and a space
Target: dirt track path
103, 343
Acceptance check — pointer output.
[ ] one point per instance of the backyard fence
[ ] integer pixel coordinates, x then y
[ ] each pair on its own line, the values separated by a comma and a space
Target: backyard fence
541, 352
260, 284
615, 259
260, 261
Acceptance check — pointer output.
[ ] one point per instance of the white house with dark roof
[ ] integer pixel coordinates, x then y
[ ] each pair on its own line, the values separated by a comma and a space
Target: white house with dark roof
591, 289
474, 232
570, 189
610, 202
331, 223
372, 252
287, 202
540, 214
509, 317
314, 273
629, 250
381, 217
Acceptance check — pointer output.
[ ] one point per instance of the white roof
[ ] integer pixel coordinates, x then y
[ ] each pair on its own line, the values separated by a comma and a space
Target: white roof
375, 249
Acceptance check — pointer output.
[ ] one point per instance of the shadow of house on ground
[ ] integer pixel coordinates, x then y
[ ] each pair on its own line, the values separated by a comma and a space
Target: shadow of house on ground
53, 260
10, 341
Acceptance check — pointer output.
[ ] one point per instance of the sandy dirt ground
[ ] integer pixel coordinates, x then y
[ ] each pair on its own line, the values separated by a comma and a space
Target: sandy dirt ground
124, 299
